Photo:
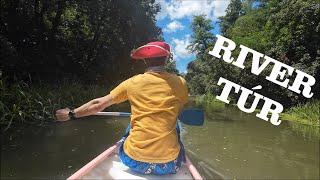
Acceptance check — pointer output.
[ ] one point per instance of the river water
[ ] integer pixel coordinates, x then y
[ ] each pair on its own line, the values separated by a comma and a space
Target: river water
230, 144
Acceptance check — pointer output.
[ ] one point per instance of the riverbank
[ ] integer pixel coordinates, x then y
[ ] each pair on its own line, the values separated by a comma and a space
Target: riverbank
234, 144
24, 104
306, 114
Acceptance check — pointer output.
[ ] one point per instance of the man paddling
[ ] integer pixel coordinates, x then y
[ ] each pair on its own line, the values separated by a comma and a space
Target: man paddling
152, 146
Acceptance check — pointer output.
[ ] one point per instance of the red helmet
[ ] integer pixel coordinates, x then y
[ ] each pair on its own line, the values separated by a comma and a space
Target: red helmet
151, 50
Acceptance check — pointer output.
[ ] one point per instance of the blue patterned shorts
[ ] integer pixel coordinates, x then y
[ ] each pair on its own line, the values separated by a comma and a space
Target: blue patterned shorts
171, 167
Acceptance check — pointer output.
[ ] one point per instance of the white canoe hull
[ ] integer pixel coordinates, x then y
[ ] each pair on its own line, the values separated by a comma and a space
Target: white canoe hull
108, 166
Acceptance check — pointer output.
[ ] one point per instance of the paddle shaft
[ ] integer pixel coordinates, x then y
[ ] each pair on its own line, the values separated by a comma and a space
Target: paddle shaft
113, 114
193, 117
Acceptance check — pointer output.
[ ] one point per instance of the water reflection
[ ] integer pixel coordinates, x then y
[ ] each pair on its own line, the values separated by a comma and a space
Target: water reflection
231, 144
239, 145
60, 149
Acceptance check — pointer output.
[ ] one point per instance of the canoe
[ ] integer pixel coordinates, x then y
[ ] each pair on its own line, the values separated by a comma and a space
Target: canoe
107, 165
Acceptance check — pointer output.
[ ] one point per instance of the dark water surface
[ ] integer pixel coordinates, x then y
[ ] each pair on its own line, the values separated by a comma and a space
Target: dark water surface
231, 144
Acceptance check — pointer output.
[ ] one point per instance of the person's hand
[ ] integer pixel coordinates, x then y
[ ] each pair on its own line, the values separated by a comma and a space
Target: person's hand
63, 114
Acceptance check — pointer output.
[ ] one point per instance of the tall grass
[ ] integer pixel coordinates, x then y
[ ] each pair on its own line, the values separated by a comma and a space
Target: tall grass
308, 113
210, 102
22, 104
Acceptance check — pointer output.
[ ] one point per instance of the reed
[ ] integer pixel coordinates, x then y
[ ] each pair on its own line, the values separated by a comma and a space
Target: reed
209, 102
308, 113
21, 103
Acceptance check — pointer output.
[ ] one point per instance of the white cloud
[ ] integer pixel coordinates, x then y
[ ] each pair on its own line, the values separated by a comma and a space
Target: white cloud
163, 12
179, 48
187, 8
220, 7
173, 26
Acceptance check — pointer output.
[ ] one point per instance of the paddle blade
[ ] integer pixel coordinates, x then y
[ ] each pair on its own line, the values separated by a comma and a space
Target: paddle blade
193, 117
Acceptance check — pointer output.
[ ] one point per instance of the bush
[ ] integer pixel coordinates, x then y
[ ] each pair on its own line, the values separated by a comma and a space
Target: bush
24, 104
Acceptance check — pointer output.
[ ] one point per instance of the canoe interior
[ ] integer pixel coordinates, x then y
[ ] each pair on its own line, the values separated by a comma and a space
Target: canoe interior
112, 168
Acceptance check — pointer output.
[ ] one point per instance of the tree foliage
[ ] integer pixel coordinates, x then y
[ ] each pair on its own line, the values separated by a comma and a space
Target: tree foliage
171, 67
233, 12
201, 39
203, 72
285, 30
86, 40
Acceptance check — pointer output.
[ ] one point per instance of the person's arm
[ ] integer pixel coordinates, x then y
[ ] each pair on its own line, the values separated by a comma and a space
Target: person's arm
117, 95
89, 108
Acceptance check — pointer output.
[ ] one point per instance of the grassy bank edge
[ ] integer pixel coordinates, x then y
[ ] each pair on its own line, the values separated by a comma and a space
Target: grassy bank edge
306, 114
296, 119
23, 104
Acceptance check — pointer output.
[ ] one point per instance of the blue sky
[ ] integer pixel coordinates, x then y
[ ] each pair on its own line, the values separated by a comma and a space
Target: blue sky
175, 18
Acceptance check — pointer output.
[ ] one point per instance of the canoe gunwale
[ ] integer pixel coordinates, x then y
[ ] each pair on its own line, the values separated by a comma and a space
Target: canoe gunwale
193, 170
93, 163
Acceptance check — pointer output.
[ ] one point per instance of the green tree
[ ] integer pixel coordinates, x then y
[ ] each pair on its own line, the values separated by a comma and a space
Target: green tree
233, 12
294, 32
201, 37
85, 40
201, 40
205, 71
285, 30
172, 67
